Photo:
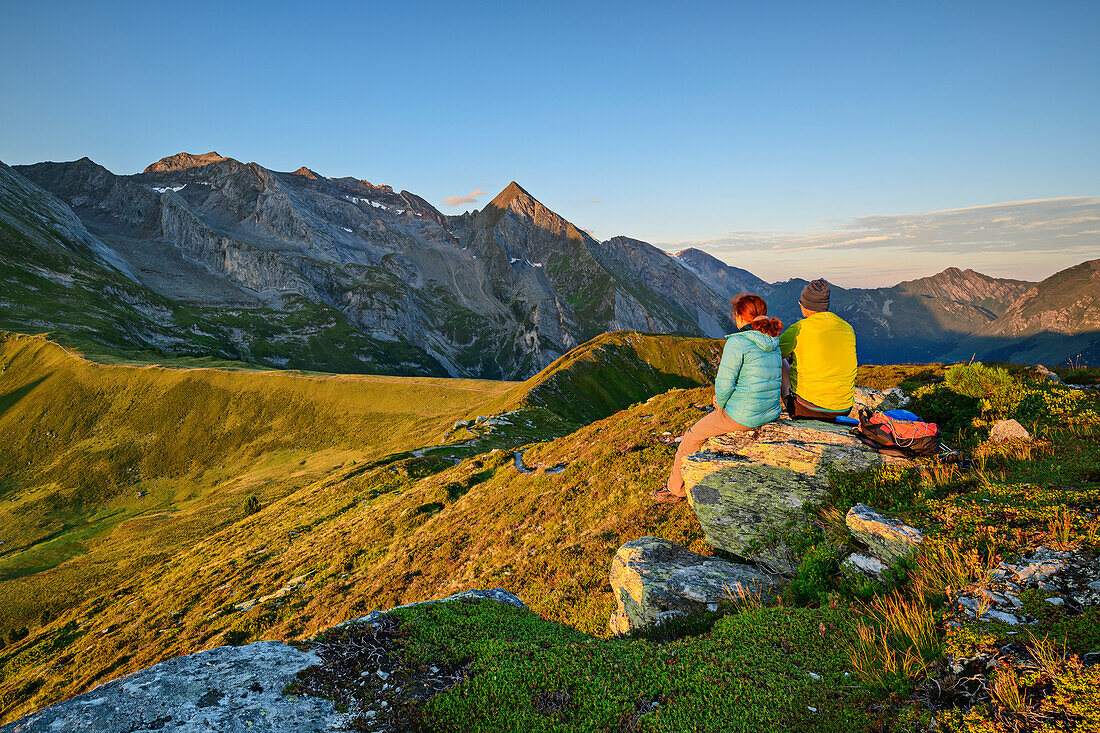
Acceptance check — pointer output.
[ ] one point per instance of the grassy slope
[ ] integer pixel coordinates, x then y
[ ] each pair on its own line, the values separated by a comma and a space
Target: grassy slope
108, 469
361, 536
617, 369
199, 441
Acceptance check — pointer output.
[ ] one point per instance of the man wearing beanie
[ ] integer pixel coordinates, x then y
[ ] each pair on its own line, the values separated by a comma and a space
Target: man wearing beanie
819, 373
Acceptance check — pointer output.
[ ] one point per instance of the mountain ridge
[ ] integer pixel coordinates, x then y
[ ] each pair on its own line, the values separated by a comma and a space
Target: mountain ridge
499, 292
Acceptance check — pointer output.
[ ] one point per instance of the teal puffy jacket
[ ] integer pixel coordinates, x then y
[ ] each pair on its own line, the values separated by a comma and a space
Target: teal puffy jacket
749, 377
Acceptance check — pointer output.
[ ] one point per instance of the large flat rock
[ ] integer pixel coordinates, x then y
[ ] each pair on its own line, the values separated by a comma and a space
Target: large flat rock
655, 579
747, 488
225, 689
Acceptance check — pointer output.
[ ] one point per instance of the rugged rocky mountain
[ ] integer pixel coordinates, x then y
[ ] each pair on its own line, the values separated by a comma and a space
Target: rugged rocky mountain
966, 286
647, 271
726, 280
1056, 320
496, 293
131, 292
296, 269
183, 161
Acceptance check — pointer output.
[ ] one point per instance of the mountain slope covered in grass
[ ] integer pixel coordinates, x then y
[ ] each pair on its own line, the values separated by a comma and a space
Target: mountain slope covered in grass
349, 530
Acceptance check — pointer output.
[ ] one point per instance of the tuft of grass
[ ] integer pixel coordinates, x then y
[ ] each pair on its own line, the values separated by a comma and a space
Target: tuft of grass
1060, 528
1006, 689
896, 644
941, 566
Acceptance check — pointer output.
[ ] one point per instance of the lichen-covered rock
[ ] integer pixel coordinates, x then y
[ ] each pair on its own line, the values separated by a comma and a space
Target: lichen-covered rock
889, 539
226, 689
1005, 430
654, 579
746, 487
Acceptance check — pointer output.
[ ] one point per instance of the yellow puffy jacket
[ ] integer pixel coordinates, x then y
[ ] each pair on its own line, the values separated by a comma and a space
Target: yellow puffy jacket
823, 370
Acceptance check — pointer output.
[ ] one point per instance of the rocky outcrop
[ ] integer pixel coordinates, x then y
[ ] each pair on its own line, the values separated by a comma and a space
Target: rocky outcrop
654, 580
226, 689
1006, 430
231, 689
746, 487
889, 539
1068, 579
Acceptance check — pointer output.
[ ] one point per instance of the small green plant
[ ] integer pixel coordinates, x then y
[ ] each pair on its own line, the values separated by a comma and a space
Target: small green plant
252, 504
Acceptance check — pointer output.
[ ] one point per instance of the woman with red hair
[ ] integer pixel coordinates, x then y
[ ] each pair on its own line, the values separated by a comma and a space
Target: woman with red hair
746, 389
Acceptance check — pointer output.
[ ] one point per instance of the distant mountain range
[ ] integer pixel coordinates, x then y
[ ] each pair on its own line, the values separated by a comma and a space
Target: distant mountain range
205, 255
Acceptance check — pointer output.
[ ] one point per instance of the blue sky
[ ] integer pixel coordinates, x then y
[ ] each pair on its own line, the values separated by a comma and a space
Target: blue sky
730, 124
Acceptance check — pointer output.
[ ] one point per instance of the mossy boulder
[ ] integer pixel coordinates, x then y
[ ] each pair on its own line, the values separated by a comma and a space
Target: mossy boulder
748, 489
654, 580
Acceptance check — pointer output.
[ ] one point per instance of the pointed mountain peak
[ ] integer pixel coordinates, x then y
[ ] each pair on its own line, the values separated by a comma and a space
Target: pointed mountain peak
306, 173
183, 161
513, 192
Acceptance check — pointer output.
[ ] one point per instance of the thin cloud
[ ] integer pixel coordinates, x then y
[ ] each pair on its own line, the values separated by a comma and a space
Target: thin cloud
470, 198
1021, 237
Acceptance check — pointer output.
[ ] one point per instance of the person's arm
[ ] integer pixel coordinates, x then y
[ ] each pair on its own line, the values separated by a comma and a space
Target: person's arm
787, 339
728, 371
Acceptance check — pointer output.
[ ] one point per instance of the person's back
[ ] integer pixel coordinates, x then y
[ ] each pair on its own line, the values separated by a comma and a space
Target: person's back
753, 399
822, 347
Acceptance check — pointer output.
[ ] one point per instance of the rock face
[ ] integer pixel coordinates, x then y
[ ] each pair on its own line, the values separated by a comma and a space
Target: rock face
746, 487
1005, 430
228, 689
654, 580
889, 539
498, 293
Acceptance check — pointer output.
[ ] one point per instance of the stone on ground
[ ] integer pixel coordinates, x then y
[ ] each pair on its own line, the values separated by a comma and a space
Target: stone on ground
654, 579
226, 689
864, 564
889, 539
1041, 372
747, 487
1005, 430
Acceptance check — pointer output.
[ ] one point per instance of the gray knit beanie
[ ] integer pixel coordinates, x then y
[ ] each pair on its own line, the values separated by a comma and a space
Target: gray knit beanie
815, 296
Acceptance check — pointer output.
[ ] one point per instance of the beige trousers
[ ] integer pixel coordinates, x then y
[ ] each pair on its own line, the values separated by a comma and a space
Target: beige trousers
716, 423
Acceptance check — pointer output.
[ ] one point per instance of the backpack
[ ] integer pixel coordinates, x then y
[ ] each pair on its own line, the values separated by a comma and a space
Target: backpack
894, 437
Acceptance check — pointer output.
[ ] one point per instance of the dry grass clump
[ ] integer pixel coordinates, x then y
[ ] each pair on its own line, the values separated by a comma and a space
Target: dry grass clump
941, 566
897, 644
1060, 528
